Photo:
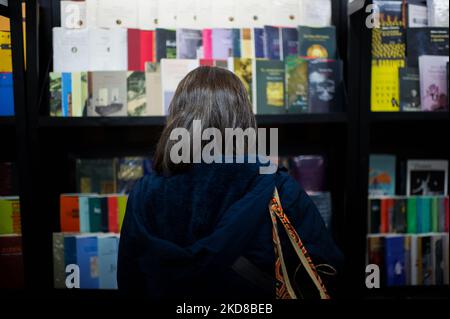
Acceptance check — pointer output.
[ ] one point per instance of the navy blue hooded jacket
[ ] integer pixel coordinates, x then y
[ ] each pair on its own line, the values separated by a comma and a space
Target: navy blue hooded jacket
182, 233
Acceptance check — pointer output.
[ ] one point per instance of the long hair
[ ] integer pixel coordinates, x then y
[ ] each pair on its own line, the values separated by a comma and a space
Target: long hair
213, 95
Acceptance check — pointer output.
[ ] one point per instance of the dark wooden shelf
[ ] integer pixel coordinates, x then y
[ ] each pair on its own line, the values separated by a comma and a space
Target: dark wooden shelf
281, 119
409, 116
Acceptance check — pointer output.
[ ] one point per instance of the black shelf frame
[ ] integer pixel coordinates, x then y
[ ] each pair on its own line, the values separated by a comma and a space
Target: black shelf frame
4, 11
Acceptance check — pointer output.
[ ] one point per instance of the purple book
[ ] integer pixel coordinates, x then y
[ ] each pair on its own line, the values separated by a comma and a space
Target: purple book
222, 44
433, 82
289, 39
309, 171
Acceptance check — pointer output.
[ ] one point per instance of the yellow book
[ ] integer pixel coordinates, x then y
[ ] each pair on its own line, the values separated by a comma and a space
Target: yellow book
5, 52
246, 43
385, 94
9, 216
122, 205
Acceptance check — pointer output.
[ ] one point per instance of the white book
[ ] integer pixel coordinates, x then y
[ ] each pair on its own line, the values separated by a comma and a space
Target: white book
203, 10
70, 50
147, 14
427, 177
438, 13
223, 14
109, 93
153, 89
433, 82
91, 13
117, 13
315, 13
417, 16
108, 49
253, 13
172, 72
73, 14
167, 14
285, 13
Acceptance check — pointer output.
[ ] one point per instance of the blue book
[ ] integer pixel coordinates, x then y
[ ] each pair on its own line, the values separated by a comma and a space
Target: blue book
258, 37
272, 42
395, 261
66, 94
87, 256
382, 175
423, 214
107, 261
236, 33
6, 94
70, 251
289, 40
83, 202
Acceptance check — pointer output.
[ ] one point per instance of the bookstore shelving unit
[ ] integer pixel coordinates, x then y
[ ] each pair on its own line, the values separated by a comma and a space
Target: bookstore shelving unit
420, 135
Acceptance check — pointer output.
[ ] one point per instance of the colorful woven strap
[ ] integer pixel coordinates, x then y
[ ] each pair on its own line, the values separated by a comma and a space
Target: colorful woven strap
283, 286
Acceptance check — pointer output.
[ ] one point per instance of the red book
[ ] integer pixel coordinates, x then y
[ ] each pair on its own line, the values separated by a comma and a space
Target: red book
11, 262
69, 213
207, 43
113, 214
387, 206
134, 50
146, 42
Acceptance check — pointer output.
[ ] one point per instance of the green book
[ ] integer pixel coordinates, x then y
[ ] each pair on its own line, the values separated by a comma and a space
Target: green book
122, 207
434, 214
79, 93
424, 214
55, 88
10, 216
95, 214
269, 97
296, 73
317, 42
411, 215
136, 95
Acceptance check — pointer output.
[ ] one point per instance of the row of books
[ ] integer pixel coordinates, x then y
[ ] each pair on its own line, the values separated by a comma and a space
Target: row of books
412, 215
10, 215
296, 85
409, 66
428, 177
11, 262
85, 261
91, 213
410, 260
117, 49
149, 14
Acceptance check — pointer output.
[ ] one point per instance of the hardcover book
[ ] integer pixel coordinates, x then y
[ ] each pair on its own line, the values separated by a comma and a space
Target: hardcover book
382, 175
374, 216
427, 177
426, 41
376, 254
317, 42
409, 89
269, 82
189, 44
136, 95
296, 70
207, 43
325, 86
166, 44
433, 82
7, 94
109, 93
95, 214
437, 259
108, 50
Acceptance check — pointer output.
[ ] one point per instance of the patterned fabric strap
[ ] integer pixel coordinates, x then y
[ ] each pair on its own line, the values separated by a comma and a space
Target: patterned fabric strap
284, 288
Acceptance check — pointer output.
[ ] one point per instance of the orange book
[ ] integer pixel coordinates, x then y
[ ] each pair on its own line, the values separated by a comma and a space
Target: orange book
69, 213
113, 214
387, 205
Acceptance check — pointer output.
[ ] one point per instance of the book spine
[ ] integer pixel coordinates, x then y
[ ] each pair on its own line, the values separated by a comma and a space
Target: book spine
434, 214
113, 214
207, 43
411, 215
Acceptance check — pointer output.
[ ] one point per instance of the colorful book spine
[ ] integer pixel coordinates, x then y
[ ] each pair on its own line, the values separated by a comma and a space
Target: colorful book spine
69, 213
411, 215
66, 94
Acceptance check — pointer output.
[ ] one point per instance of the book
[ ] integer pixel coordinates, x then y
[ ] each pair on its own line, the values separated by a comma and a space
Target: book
289, 42
10, 216
317, 42
5, 52
272, 43
417, 16
136, 95
427, 177
315, 13
8, 182
166, 44
55, 88
445, 245
243, 68
113, 214
376, 253
7, 94
71, 50
442, 214
309, 171
387, 213
172, 72
237, 50
409, 86
117, 13
104, 214
399, 222
374, 216
73, 14
207, 43
433, 82
59, 269
140, 49
382, 174
96, 176
395, 261
109, 93
325, 85
246, 44
415, 259
407, 246
69, 213
411, 215
222, 44
122, 206
385, 93
269, 87
296, 72
153, 90
129, 171
258, 43
426, 41
423, 214
107, 261
83, 204
322, 200
95, 214
11, 262
437, 259
87, 260
189, 44
434, 214
438, 13
108, 50
79, 93
66, 90
426, 266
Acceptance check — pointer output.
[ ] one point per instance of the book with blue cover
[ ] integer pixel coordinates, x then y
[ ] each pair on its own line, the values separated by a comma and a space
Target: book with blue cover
289, 40
87, 257
272, 42
423, 214
107, 261
395, 261
258, 38
66, 94
6, 94
382, 175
